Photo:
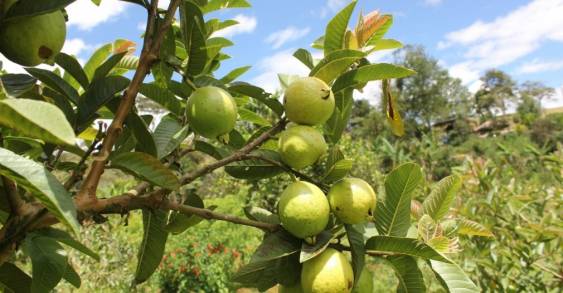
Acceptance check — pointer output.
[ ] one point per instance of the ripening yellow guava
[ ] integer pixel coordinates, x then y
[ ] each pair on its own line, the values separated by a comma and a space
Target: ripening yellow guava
293, 289
308, 101
303, 209
365, 283
212, 111
301, 146
352, 200
30, 41
329, 271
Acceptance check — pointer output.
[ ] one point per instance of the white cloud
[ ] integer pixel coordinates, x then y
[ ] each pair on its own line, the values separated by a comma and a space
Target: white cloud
330, 6
432, 2
536, 66
246, 24
86, 15
75, 46
163, 4
280, 62
464, 71
142, 26
291, 33
556, 100
510, 37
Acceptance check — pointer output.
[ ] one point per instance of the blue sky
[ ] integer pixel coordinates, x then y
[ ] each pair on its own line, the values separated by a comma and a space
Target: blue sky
523, 38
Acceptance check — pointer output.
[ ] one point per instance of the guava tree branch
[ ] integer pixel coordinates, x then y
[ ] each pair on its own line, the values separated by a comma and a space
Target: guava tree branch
149, 55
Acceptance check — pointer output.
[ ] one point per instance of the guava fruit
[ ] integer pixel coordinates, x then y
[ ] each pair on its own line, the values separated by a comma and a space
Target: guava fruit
308, 101
303, 209
212, 111
329, 271
293, 289
352, 200
30, 41
365, 283
301, 146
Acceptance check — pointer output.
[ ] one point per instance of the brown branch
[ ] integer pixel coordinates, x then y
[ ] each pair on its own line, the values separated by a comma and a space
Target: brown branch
149, 55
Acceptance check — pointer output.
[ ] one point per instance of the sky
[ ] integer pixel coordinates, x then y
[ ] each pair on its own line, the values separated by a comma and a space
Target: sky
522, 38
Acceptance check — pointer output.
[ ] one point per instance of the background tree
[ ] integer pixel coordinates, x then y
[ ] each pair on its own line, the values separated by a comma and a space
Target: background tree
432, 94
531, 94
497, 90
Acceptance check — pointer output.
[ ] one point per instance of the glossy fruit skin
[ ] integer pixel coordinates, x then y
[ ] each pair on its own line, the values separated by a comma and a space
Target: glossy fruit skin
212, 112
308, 101
301, 146
329, 271
352, 200
30, 41
293, 289
365, 283
303, 209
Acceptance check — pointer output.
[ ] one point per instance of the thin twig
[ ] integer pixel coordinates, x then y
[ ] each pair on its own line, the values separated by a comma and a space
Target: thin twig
149, 55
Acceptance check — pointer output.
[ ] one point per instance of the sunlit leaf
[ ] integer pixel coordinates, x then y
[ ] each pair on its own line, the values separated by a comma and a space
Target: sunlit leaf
391, 108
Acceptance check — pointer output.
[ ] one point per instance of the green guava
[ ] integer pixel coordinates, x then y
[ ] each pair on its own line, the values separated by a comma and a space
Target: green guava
308, 101
212, 111
303, 209
30, 41
352, 200
329, 271
301, 146
365, 283
293, 289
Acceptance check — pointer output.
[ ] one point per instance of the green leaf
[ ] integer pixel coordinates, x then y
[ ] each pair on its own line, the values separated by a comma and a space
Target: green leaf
385, 44
213, 5
162, 71
55, 82
455, 280
14, 279
48, 261
168, 135
257, 93
36, 119
391, 109
261, 215
368, 73
438, 203
410, 277
163, 97
381, 30
99, 56
179, 222
193, 32
427, 228
358, 250
214, 25
73, 68
27, 8
208, 149
145, 141
234, 74
262, 270
106, 67
72, 276
336, 29
338, 171
65, 238
393, 214
400, 245
335, 64
16, 85
308, 251
305, 57
153, 244
337, 123
98, 94
468, 227
42, 185
252, 117
319, 43
147, 168
255, 169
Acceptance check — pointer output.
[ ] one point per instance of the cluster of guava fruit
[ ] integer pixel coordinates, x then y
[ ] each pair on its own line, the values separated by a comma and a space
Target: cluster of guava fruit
31, 40
303, 208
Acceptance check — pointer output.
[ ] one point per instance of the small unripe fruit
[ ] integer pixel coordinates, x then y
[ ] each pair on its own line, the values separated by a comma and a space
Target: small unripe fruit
308, 101
365, 282
303, 209
329, 271
301, 146
30, 41
352, 200
212, 111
